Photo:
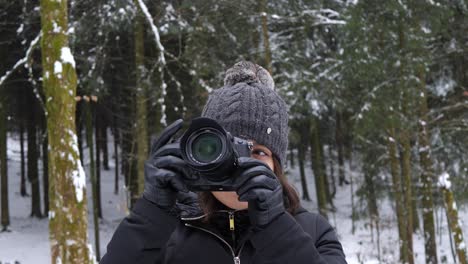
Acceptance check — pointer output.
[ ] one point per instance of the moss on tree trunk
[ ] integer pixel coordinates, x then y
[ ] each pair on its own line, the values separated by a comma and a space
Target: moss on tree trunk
67, 184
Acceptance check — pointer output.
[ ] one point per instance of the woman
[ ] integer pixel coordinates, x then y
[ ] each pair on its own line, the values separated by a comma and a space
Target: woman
261, 222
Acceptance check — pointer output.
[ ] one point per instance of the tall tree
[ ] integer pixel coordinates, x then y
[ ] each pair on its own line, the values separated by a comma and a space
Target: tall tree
33, 171
427, 174
67, 181
141, 127
4, 208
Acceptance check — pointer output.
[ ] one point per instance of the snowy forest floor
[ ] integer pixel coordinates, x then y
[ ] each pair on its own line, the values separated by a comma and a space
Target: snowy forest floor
27, 241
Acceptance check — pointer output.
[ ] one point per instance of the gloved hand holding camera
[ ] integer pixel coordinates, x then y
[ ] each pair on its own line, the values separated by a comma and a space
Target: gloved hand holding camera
165, 169
257, 184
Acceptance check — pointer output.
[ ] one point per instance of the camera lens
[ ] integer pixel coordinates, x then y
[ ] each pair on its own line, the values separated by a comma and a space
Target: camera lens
207, 147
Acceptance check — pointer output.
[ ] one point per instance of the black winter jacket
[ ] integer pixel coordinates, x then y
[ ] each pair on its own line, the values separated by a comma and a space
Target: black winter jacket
151, 235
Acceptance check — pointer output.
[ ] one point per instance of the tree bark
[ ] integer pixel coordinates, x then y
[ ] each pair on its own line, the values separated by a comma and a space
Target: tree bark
67, 181
45, 171
265, 34
301, 159
340, 149
105, 149
317, 168
116, 156
79, 129
33, 171
5, 210
92, 168
397, 193
457, 232
427, 175
97, 130
141, 99
23, 190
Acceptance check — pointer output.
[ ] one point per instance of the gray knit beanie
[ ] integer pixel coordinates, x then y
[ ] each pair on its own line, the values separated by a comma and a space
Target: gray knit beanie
248, 107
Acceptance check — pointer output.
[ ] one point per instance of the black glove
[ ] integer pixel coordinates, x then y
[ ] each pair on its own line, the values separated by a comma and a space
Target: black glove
164, 169
257, 184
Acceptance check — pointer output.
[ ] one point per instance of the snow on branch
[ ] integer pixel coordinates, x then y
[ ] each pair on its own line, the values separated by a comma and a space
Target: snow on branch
154, 29
162, 59
23, 60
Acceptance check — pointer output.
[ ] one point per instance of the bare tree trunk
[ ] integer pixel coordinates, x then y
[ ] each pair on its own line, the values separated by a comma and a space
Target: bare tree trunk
97, 130
45, 170
291, 158
397, 193
33, 171
23, 191
116, 157
92, 168
453, 220
141, 98
105, 149
340, 148
301, 158
5, 210
317, 168
332, 171
265, 33
67, 181
427, 175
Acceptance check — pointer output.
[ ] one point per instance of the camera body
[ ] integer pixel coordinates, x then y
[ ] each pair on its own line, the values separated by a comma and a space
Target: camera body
212, 154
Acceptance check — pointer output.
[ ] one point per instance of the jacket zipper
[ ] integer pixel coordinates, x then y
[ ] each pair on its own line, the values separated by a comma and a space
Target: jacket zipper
235, 258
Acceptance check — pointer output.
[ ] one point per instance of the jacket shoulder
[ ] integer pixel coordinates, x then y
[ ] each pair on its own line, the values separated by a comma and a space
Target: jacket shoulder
315, 225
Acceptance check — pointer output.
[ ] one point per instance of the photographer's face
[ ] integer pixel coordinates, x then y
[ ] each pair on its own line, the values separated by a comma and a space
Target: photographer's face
231, 199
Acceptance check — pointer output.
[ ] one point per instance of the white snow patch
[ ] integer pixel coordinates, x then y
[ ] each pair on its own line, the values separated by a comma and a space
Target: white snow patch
58, 67
56, 28
444, 180
20, 29
67, 57
79, 180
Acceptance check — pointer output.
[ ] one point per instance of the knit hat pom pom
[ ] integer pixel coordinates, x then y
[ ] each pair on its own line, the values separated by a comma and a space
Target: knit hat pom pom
248, 72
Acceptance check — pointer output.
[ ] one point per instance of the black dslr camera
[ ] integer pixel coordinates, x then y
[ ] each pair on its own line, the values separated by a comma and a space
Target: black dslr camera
212, 153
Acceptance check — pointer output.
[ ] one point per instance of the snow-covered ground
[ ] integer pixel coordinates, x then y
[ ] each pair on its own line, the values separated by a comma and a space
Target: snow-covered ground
28, 241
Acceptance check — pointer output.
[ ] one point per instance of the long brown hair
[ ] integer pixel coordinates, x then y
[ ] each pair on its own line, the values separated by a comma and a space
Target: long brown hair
209, 203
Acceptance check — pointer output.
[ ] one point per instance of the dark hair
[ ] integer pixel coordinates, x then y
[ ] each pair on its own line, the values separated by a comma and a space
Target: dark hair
209, 203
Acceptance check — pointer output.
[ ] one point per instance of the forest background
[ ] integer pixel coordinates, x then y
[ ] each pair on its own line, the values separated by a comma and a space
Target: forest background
378, 97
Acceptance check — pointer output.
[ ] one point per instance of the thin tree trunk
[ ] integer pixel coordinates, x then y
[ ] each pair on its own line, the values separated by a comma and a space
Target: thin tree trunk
301, 158
23, 191
45, 171
407, 190
406, 146
116, 157
427, 175
291, 158
105, 149
266, 37
97, 124
453, 220
33, 171
340, 148
5, 210
332, 172
141, 98
68, 221
396, 189
92, 169
317, 168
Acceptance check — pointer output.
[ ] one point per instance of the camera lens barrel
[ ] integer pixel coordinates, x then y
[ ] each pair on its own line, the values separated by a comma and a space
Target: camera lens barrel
212, 154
